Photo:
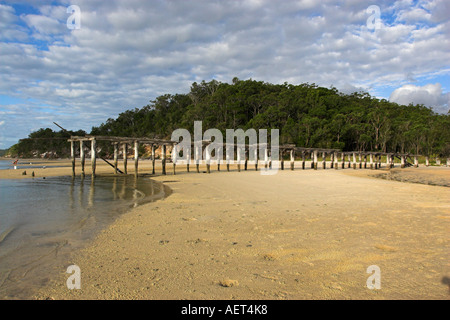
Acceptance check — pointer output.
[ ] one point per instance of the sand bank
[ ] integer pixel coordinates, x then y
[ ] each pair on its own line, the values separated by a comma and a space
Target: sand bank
293, 235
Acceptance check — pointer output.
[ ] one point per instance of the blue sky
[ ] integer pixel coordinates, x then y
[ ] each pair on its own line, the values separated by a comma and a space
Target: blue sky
127, 52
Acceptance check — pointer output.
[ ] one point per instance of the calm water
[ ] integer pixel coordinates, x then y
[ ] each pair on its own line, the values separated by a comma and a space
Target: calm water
23, 164
43, 220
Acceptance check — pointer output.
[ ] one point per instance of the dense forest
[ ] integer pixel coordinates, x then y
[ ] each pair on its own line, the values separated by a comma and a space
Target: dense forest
305, 114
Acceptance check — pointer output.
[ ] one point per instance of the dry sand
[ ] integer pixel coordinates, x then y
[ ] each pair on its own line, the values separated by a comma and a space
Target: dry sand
293, 235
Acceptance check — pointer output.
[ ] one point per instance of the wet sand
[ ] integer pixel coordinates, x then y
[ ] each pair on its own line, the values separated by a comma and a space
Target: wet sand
293, 235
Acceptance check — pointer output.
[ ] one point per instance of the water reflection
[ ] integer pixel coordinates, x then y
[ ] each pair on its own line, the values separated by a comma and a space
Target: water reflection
42, 220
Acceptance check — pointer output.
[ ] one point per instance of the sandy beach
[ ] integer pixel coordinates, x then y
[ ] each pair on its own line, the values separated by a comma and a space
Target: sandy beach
301, 234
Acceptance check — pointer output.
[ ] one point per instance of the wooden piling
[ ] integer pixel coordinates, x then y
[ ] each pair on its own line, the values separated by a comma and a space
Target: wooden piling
125, 158
93, 156
163, 158
324, 160
343, 160
83, 157
174, 158
315, 159
154, 160
116, 156
336, 161
292, 155
354, 160
136, 157
72, 155
303, 160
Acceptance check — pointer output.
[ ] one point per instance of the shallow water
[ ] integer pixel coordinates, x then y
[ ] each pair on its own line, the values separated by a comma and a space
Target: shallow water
43, 220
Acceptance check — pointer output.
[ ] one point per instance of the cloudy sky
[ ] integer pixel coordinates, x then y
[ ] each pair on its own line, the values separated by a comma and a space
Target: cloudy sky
127, 52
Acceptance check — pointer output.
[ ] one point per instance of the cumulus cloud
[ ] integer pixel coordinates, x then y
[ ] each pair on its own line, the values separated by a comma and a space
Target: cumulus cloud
127, 52
430, 95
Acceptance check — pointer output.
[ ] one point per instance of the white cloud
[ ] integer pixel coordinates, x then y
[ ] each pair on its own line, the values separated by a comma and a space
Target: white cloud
430, 95
127, 52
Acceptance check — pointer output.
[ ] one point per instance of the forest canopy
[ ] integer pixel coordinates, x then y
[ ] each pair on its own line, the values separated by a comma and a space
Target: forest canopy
305, 114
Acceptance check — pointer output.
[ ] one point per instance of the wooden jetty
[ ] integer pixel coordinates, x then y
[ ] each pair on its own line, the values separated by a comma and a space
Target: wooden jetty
337, 158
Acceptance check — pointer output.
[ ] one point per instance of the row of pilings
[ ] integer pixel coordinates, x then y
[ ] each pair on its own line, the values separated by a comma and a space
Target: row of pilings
245, 156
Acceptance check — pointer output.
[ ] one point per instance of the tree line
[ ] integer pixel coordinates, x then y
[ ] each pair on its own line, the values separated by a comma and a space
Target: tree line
306, 115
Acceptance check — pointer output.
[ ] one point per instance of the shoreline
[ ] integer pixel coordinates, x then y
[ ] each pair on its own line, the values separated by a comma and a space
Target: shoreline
225, 236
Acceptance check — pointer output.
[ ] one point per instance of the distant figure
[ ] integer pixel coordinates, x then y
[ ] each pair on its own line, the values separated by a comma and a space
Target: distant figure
15, 164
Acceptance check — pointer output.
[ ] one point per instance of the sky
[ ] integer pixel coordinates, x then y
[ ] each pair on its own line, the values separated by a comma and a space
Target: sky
81, 66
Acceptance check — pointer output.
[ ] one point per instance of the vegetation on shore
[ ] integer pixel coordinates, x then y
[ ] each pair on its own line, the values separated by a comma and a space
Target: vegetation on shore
305, 114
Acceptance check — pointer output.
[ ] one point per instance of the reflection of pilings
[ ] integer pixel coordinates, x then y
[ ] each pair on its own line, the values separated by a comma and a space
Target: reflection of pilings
71, 191
114, 188
91, 192
81, 193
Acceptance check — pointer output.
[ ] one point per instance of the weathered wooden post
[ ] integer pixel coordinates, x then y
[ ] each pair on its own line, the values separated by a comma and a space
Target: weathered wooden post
136, 157
266, 157
303, 160
256, 157
154, 160
324, 160
336, 160
315, 159
246, 158
332, 160
93, 155
282, 159
116, 156
438, 161
349, 163
198, 151
174, 158
427, 161
312, 159
238, 158
376, 161
402, 161
448, 162
371, 160
379, 161
208, 158
163, 158
72, 155
83, 157
292, 155
125, 158
360, 160
343, 160
354, 160
416, 161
